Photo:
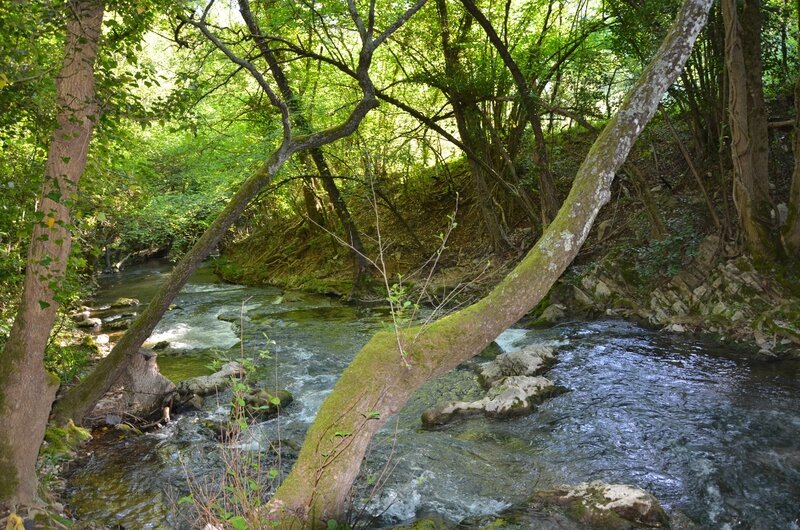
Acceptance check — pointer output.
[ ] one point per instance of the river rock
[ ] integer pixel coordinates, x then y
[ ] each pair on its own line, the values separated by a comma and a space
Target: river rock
515, 395
612, 506
208, 384
530, 361
265, 404
124, 302
553, 314
89, 323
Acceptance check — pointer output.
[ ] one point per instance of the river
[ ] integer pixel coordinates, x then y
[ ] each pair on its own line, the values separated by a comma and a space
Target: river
716, 439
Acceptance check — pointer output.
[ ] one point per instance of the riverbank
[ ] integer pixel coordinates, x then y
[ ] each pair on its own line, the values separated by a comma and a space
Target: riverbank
688, 280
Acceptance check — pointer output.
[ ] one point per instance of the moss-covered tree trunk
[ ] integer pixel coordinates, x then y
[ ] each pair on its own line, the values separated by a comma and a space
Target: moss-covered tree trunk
26, 389
388, 369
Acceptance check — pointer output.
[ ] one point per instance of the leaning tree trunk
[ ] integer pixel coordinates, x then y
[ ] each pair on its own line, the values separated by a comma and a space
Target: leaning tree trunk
388, 369
750, 180
26, 389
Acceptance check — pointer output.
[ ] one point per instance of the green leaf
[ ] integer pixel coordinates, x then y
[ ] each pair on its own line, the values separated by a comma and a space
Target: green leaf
238, 522
44, 305
187, 498
275, 400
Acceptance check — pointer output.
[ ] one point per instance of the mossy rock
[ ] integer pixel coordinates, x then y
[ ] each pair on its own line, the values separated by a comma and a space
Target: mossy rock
62, 441
124, 302
264, 403
608, 506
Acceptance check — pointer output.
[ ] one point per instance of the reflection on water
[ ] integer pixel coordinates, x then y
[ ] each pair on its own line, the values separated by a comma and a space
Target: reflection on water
712, 437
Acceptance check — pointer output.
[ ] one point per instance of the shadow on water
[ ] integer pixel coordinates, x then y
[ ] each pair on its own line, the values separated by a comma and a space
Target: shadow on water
712, 437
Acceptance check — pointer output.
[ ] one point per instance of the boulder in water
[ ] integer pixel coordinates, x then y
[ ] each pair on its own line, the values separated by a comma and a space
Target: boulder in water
530, 361
124, 302
612, 506
265, 404
515, 395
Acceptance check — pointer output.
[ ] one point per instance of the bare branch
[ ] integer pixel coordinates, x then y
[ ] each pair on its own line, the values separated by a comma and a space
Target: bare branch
247, 65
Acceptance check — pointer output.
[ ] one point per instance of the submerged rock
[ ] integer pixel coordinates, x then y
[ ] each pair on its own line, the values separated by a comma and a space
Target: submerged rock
612, 506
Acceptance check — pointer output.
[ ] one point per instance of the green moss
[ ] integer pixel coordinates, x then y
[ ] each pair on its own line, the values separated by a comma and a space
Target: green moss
8, 470
62, 441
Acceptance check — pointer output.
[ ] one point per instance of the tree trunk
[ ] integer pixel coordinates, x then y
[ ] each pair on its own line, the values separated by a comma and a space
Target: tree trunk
82, 397
469, 129
547, 190
750, 182
791, 230
637, 177
378, 383
468, 121
26, 389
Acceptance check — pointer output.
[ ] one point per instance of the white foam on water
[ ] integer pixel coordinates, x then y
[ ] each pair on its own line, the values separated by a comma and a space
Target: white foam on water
400, 503
514, 339
507, 340
212, 333
460, 508
210, 287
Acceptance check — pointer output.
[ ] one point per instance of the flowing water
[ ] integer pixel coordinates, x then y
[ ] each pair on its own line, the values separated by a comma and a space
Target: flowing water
715, 439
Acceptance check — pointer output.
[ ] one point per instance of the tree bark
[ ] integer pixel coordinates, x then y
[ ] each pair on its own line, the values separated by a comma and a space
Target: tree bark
26, 388
468, 121
748, 149
547, 189
791, 230
378, 382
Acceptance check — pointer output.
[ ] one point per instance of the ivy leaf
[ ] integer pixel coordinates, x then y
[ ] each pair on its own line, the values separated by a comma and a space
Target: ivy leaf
44, 305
